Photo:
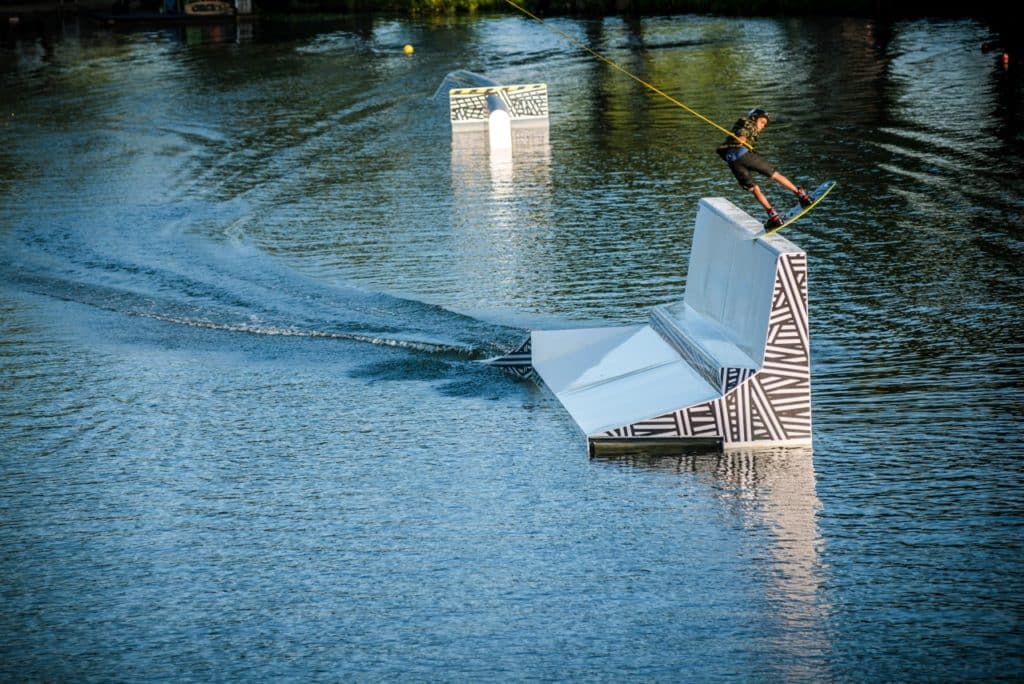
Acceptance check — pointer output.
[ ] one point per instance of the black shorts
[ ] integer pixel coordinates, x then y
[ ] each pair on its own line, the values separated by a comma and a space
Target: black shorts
751, 161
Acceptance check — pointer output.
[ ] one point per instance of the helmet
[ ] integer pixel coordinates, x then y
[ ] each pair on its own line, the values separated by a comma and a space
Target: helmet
757, 112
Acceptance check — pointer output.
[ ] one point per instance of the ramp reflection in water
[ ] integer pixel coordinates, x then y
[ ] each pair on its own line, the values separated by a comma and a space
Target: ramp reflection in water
764, 493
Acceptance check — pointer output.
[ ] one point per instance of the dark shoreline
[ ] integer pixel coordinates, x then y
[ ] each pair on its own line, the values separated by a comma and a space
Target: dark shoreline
872, 8
982, 9
23, 19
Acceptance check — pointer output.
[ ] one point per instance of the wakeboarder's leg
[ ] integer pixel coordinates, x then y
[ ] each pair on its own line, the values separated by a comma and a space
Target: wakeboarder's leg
800, 193
774, 219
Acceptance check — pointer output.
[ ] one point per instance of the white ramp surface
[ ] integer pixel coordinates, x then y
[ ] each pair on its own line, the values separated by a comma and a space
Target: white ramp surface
606, 377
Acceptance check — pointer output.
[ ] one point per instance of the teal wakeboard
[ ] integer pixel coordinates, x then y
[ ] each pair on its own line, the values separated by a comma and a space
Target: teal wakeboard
797, 212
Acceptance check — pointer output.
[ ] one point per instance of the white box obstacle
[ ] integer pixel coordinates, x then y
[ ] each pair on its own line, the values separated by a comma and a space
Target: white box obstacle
729, 363
510, 115
474, 107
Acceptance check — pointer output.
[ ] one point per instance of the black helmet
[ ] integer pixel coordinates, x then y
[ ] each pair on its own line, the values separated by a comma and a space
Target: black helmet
757, 112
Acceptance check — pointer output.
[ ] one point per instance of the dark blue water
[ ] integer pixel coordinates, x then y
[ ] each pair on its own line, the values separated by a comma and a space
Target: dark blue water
247, 283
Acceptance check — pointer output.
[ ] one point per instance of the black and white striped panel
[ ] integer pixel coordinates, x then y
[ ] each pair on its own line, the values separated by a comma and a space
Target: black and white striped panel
521, 102
465, 105
518, 362
526, 101
733, 377
771, 405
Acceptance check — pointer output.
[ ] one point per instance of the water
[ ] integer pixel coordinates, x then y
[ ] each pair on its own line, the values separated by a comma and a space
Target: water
246, 284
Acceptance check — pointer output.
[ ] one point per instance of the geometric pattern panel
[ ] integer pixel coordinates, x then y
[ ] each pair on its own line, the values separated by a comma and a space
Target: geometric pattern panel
518, 362
772, 404
521, 102
731, 378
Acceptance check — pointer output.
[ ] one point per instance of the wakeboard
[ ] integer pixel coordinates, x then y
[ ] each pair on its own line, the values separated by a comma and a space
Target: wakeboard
797, 212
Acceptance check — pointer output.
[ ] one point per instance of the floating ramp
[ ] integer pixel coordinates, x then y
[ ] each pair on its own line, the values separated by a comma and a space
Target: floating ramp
729, 363
473, 98
474, 106
477, 103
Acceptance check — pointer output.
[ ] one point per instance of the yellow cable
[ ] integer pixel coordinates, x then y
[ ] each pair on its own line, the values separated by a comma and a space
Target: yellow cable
635, 78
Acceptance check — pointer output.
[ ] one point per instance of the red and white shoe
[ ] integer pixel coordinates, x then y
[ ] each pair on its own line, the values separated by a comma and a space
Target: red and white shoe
805, 199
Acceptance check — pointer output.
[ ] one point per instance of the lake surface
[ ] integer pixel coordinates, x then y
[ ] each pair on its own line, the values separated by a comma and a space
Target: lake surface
247, 280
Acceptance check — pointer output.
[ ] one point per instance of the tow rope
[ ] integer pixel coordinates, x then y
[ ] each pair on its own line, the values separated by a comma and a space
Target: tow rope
639, 80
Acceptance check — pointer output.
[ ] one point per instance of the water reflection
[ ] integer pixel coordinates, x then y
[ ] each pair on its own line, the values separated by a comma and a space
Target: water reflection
530, 154
771, 496
212, 34
500, 178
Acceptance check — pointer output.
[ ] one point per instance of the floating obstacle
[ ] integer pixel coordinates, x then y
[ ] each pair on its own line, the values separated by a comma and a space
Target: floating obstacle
522, 103
728, 364
477, 103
